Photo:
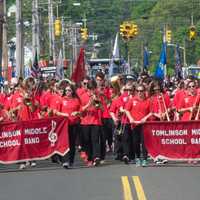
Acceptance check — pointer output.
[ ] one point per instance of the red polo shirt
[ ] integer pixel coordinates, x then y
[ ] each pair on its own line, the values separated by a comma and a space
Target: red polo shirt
92, 115
70, 105
186, 102
138, 108
115, 105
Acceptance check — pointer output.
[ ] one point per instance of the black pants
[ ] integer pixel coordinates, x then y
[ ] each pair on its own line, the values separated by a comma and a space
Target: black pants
118, 147
72, 132
91, 135
108, 130
138, 140
127, 141
106, 136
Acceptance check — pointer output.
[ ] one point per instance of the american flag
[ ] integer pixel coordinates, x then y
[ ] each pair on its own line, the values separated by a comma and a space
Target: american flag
178, 65
35, 69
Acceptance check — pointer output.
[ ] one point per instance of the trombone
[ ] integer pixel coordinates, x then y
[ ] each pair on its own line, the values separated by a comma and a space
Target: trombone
165, 107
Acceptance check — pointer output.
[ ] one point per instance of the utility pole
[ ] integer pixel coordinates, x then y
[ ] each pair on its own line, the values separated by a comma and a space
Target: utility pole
19, 40
35, 29
1, 34
63, 38
5, 44
51, 31
50, 28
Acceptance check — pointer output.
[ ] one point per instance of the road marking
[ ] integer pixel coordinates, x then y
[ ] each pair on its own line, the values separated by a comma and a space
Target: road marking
126, 188
139, 188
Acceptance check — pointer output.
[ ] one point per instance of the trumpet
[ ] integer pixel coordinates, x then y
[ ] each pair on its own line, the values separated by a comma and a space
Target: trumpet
95, 101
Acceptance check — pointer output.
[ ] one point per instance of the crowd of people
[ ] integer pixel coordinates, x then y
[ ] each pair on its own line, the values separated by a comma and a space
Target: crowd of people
104, 115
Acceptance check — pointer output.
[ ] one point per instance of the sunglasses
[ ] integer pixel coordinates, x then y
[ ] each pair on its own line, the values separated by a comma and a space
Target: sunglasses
85, 83
191, 86
128, 90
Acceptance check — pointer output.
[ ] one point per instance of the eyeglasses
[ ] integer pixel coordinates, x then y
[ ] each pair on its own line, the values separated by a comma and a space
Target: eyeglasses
85, 83
140, 90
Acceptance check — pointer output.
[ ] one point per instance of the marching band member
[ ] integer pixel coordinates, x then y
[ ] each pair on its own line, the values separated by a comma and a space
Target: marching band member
128, 149
70, 108
91, 114
104, 94
189, 102
116, 117
189, 106
138, 112
159, 102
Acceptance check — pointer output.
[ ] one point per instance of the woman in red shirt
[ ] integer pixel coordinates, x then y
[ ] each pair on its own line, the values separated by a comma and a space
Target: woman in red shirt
189, 103
70, 108
138, 111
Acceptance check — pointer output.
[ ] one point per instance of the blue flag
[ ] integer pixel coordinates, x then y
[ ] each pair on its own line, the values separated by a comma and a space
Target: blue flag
146, 58
160, 69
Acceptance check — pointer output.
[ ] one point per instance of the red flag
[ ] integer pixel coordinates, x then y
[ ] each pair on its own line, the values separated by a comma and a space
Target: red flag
79, 71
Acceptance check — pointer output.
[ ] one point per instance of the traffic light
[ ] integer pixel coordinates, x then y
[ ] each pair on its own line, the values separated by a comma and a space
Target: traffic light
84, 33
135, 29
58, 27
123, 31
192, 33
128, 30
169, 36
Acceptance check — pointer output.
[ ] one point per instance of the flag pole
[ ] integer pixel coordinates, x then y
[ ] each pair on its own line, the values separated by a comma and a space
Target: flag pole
165, 46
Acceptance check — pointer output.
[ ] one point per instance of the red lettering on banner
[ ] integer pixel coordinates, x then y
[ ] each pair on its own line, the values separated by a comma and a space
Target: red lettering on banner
37, 140
173, 140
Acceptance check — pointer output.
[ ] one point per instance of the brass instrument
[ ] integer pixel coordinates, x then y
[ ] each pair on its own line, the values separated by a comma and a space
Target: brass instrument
96, 100
198, 110
165, 108
116, 84
192, 113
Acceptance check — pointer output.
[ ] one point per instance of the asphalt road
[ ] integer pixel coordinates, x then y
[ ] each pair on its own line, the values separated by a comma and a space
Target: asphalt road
112, 181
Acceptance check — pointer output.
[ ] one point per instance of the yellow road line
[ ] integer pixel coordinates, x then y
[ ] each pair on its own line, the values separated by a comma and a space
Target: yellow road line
126, 188
139, 188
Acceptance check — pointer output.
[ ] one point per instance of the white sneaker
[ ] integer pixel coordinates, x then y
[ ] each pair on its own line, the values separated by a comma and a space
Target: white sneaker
102, 162
22, 166
33, 164
65, 165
